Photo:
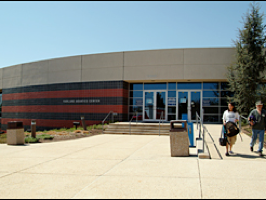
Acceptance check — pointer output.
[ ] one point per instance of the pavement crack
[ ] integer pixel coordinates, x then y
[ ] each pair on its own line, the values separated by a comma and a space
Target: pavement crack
200, 180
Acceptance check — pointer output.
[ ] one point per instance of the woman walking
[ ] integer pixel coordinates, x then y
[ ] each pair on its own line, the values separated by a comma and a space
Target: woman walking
230, 115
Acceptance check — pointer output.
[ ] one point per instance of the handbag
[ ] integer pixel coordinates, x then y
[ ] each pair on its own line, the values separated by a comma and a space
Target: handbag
222, 140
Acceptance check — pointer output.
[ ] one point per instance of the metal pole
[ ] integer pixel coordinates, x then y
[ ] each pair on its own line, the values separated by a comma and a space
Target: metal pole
102, 126
200, 130
83, 123
197, 121
33, 128
202, 116
240, 124
203, 142
112, 117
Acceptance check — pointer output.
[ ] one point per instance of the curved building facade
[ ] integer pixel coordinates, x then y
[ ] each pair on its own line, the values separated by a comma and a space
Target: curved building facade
145, 85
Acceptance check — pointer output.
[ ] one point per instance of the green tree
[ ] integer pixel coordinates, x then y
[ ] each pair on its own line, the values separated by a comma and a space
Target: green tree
246, 73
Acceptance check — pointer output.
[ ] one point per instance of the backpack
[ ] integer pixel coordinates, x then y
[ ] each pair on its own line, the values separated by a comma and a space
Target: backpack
231, 129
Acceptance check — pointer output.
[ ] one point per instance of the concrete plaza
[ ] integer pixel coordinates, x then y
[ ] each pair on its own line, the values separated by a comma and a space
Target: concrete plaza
129, 166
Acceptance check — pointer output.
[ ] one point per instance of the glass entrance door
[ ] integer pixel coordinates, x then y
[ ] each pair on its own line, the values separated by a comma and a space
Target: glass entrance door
189, 102
149, 104
195, 105
160, 105
155, 104
182, 105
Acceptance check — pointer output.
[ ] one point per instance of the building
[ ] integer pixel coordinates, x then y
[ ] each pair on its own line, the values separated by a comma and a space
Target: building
57, 92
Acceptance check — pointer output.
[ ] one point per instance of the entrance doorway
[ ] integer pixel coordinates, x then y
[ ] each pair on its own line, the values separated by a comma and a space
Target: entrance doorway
189, 102
154, 105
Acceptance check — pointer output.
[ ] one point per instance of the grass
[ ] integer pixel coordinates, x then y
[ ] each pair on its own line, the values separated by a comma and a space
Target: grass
29, 139
45, 136
3, 138
94, 126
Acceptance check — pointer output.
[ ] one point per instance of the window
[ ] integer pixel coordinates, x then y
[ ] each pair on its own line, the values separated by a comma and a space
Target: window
154, 86
184, 86
171, 86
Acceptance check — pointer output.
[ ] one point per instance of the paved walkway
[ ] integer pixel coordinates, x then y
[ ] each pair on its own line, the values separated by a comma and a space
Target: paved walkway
128, 166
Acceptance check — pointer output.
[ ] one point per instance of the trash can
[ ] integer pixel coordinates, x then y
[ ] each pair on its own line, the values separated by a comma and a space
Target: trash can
15, 133
179, 141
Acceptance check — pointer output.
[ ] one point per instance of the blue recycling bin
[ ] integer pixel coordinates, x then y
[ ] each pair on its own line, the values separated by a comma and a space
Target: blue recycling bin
190, 130
190, 134
184, 116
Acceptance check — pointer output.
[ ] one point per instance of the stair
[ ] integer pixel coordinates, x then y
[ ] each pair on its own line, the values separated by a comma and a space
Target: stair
138, 128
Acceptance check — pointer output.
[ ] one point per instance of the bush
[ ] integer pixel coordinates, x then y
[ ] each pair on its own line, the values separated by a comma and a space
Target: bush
244, 122
3, 138
29, 139
45, 137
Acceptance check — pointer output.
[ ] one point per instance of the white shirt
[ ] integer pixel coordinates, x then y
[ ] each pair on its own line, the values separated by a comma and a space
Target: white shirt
230, 116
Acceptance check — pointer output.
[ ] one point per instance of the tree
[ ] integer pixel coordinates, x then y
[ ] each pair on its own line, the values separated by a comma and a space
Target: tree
246, 73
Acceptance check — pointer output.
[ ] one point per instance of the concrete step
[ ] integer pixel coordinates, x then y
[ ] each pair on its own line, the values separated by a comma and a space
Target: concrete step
135, 133
138, 128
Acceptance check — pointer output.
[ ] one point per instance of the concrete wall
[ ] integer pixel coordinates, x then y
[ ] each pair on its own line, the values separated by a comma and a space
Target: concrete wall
199, 64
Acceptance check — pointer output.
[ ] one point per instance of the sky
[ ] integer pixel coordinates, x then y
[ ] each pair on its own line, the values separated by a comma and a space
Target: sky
33, 31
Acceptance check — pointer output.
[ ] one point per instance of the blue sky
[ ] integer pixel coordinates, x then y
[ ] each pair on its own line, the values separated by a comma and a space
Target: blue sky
32, 31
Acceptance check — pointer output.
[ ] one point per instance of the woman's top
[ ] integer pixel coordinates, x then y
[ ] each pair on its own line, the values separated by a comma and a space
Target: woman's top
230, 116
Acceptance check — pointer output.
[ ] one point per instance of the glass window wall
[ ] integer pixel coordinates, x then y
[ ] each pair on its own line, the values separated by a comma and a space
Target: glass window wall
214, 98
189, 86
154, 86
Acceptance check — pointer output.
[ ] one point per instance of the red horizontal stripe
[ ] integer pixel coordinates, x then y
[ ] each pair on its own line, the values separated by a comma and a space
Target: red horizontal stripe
67, 109
67, 94
51, 123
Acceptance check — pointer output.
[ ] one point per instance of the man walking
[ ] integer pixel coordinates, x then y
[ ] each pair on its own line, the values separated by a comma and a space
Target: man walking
257, 118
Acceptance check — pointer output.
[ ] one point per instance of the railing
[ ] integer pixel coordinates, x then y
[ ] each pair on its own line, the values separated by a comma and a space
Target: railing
198, 119
240, 126
107, 117
131, 120
161, 117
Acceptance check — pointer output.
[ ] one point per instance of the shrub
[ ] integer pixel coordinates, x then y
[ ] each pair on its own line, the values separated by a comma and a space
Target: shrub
99, 126
3, 138
45, 137
29, 139
244, 122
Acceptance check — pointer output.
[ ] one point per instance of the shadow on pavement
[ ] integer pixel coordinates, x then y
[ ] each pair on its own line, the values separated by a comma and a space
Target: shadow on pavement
247, 156
20, 145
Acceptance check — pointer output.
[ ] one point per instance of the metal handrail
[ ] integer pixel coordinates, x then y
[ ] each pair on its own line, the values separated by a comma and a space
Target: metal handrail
204, 129
240, 126
106, 118
161, 117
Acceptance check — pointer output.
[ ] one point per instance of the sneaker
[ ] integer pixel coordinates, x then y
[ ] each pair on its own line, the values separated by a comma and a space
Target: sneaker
231, 152
227, 154
260, 153
251, 149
